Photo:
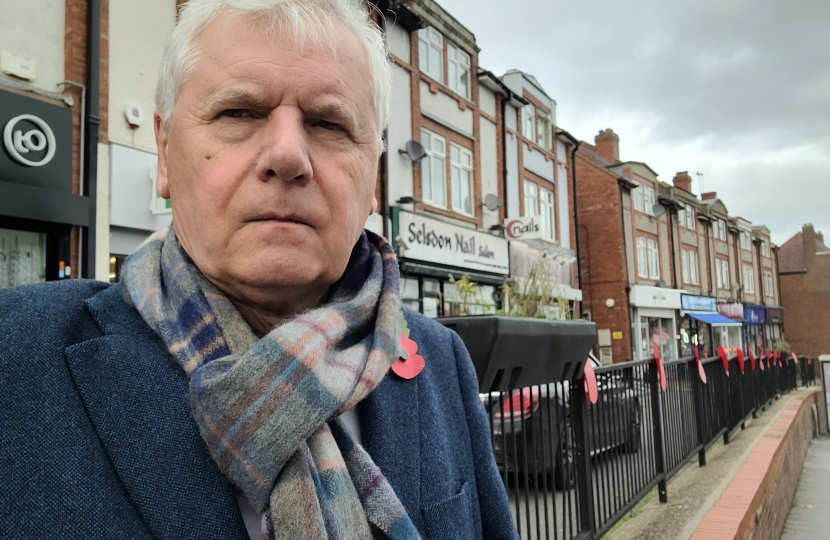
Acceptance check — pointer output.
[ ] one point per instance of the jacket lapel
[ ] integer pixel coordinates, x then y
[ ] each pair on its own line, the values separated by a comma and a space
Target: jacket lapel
390, 432
137, 399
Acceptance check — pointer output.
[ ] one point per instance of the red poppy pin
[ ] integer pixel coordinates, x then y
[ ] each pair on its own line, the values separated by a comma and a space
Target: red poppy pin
410, 363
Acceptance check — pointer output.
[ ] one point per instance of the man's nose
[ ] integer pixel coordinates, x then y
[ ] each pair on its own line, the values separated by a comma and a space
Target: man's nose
285, 148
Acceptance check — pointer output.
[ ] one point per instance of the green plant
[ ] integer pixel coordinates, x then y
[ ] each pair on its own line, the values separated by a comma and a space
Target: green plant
536, 296
781, 345
468, 294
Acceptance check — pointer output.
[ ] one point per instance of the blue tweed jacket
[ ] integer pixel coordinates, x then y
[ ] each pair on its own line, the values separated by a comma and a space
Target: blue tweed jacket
97, 439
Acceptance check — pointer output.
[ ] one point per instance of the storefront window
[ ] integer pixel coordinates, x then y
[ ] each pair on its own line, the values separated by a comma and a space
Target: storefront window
728, 337
754, 338
22, 258
659, 331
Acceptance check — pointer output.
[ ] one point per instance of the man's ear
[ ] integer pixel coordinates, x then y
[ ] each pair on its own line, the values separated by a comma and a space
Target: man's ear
374, 205
162, 185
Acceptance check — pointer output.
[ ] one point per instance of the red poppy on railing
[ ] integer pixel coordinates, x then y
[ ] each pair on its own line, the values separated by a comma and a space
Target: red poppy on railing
661, 369
725, 358
700, 370
795, 358
752, 360
590, 382
741, 360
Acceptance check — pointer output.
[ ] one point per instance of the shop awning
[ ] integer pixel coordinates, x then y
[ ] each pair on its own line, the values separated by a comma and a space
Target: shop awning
713, 318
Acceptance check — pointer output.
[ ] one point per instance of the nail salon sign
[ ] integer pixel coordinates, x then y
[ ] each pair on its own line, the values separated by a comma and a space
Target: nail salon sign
431, 240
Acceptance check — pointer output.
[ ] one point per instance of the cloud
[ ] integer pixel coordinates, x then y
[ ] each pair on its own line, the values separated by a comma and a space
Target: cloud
737, 90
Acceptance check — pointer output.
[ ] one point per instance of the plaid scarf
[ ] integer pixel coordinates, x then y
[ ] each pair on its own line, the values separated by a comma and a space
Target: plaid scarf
268, 407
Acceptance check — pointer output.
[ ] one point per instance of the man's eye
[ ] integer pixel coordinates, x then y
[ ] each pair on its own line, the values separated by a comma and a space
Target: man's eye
328, 125
236, 113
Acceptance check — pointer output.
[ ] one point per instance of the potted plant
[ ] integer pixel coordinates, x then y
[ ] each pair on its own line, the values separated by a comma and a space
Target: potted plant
533, 340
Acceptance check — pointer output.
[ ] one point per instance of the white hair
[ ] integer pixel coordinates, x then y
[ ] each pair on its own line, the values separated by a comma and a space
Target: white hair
308, 21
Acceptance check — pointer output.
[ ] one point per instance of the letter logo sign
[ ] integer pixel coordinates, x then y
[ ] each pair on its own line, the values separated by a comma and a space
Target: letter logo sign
522, 228
21, 141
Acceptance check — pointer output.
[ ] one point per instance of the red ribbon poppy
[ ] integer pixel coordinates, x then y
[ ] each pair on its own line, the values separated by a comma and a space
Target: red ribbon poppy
661, 370
795, 358
752, 360
590, 382
412, 366
700, 370
809, 361
741, 360
725, 358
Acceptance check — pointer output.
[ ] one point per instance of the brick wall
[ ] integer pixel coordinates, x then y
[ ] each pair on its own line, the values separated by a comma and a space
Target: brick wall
75, 69
757, 501
601, 245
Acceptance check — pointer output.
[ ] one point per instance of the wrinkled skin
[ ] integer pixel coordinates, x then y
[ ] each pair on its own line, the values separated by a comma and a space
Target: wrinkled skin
270, 161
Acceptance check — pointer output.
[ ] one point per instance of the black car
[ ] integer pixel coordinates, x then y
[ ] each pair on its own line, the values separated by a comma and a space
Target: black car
533, 433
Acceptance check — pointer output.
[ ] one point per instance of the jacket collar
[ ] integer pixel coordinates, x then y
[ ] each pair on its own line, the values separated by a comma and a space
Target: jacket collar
137, 399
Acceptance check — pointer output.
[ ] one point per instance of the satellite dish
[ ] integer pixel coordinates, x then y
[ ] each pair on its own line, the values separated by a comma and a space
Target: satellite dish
658, 210
414, 151
491, 202
662, 284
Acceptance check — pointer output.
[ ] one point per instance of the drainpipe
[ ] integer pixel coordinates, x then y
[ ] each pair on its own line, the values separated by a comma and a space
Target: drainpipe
93, 121
763, 296
576, 225
673, 248
504, 101
709, 257
739, 262
627, 278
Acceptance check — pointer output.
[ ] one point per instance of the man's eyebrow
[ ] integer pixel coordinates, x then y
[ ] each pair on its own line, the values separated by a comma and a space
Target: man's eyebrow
335, 110
236, 97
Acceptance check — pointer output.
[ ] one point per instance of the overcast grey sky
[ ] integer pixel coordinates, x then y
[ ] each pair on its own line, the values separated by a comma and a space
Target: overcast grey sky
738, 90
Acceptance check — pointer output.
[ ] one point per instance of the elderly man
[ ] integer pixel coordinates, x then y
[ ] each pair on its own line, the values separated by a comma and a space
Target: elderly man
237, 382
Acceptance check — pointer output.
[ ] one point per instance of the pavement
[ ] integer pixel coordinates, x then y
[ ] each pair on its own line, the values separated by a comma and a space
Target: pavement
809, 518
694, 490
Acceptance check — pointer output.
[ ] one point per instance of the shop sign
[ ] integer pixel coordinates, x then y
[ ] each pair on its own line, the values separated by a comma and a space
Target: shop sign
426, 239
654, 297
523, 228
775, 315
698, 303
36, 141
754, 315
734, 311
559, 263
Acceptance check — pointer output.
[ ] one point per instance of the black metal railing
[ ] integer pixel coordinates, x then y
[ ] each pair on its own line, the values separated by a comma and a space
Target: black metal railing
574, 468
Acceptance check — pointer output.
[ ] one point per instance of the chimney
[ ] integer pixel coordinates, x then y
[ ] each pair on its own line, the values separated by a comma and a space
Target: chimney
709, 195
820, 236
608, 145
683, 181
808, 238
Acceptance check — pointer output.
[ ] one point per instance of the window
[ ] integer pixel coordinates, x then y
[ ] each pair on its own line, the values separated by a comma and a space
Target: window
690, 267
749, 278
644, 199
458, 70
746, 241
431, 53
642, 258
765, 248
546, 207
722, 271
528, 115
653, 260
461, 168
531, 199
433, 169
543, 138
768, 284
719, 227
687, 217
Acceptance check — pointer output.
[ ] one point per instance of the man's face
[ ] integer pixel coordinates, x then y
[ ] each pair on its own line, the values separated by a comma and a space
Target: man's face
270, 160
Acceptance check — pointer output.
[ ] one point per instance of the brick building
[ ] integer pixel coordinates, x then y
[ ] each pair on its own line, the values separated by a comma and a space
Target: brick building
48, 192
805, 291
663, 266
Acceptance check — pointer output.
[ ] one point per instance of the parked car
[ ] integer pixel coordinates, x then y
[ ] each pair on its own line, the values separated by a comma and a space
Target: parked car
533, 433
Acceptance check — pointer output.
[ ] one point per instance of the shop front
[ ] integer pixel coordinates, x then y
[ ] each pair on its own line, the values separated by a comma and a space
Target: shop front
700, 324
754, 322
775, 327
654, 321
37, 207
136, 208
431, 250
729, 337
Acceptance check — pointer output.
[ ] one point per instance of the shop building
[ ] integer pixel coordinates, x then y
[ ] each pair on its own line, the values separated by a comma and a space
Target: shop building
51, 126
701, 324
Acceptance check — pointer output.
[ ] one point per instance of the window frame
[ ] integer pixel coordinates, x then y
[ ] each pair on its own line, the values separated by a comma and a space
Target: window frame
695, 268
431, 155
722, 271
765, 251
690, 217
530, 183
462, 151
749, 278
424, 38
653, 262
543, 122
548, 229
769, 286
642, 257
454, 82
529, 115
